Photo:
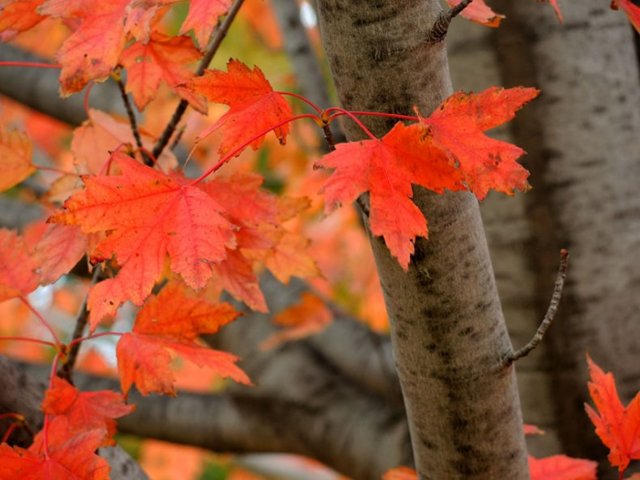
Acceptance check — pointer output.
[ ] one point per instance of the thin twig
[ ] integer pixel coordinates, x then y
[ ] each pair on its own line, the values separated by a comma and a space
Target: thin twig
66, 369
441, 25
550, 315
127, 105
204, 63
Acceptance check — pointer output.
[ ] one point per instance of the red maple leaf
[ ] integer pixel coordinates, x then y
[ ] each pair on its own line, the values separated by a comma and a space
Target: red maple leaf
479, 12
148, 215
457, 126
84, 411
203, 17
617, 426
170, 323
387, 168
447, 150
254, 105
67, 458
161, 58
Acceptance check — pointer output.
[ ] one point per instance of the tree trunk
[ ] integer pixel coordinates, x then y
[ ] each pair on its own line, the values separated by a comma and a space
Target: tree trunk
448, 332
582, 137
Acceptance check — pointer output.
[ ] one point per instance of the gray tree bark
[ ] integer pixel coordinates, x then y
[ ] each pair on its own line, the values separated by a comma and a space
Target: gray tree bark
448, 332
583, 140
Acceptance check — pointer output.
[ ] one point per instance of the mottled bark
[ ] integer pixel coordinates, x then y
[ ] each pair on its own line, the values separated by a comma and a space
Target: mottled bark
447, 327
583, 139
475, 66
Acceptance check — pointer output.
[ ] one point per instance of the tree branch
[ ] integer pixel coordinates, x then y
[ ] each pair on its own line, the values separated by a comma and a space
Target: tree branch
204, 63
549, 316
38, 89
441, 26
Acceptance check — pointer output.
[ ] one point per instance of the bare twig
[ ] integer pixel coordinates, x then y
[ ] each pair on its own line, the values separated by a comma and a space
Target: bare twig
127, 105
66, 369
441, 25
204, 63
549, 316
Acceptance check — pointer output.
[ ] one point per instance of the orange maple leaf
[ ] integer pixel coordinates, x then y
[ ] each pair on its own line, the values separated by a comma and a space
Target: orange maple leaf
617, 426
307, 317
631, 8
254, 105
161, 58
479, 12
203, 17
15, 152
67, 458
84, 411
561, 467
17, 16
100, 31
18, 268
169, 323
387, 168
148, 215
261, 238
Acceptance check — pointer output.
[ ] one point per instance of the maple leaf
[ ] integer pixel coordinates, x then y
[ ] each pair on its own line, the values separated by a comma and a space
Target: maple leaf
457, 128
100, 31
68, 458
18, 16
561, 467
84, 411
479, 12
253, 105
18, 268
387, 168
632, 10
307, 317
617, 426
260, 238
161, 58
15, 152
55, 248
93, 49
148, 215
164, 326
202, 18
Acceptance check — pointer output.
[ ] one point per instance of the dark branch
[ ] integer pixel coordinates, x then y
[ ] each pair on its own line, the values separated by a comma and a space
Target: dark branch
550, 315
204, 63
441, 26
66, 370
127, 105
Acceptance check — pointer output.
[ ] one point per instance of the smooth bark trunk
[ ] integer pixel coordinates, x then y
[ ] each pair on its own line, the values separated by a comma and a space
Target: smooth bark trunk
448, 332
